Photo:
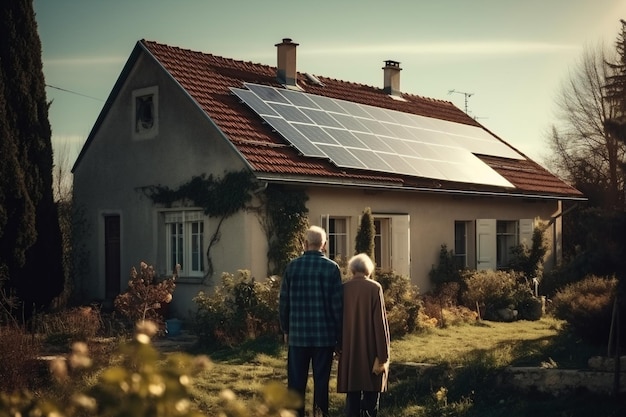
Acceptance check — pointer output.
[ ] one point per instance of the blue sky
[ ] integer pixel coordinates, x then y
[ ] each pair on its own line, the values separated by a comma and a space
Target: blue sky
511, 56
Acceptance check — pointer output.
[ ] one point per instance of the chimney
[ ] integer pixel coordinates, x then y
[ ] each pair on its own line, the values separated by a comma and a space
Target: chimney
392, 78
286, 71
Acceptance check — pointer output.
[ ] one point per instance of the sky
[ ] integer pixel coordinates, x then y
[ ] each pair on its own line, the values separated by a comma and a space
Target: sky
509, 59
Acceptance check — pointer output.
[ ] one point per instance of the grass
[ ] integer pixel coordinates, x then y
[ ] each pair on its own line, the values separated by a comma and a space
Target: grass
465, 360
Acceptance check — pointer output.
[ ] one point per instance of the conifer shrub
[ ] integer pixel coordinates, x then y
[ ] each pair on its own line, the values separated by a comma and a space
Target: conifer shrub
587, 306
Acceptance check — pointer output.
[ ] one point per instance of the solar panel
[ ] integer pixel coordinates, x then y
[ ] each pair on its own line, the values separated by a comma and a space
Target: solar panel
297, 139
354, 135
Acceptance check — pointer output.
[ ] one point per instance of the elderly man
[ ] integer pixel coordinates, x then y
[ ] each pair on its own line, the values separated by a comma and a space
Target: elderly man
311, 309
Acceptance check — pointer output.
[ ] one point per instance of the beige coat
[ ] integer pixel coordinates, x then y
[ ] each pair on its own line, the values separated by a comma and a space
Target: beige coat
365, 337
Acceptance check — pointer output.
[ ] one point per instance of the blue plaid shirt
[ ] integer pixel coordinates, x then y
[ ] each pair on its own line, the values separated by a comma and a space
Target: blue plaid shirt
311, 301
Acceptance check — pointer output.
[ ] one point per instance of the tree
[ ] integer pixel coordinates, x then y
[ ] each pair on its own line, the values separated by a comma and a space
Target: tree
30, 240
584, 152
615, 92
365, 235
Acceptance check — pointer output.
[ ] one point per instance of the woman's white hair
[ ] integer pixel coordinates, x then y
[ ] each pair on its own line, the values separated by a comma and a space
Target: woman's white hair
361, 263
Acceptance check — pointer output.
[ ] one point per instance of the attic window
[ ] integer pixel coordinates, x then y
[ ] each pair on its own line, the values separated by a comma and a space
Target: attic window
145, 116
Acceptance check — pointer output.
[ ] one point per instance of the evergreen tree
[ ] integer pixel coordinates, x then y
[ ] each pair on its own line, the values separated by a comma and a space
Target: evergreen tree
365, 235
30, 240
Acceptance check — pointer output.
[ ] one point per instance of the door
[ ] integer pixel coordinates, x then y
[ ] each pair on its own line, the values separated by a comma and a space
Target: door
112, 250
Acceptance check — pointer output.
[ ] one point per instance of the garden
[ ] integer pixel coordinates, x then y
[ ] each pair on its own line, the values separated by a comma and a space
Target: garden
449, 349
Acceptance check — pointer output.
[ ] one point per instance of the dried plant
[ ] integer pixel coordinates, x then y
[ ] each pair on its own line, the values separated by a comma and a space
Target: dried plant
145, 295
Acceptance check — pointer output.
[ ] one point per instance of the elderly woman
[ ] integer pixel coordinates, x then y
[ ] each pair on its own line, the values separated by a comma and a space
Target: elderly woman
364, 357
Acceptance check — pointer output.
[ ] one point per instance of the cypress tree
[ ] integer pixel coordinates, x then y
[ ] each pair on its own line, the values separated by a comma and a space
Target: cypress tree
30, 238
364, 242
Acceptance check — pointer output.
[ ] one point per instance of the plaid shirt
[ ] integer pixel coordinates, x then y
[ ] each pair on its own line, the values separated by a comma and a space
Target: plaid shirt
311, 301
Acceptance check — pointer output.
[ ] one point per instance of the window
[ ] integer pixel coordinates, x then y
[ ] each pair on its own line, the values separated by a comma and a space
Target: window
460, 243
184, 244
145, 118
337, 238
506, 238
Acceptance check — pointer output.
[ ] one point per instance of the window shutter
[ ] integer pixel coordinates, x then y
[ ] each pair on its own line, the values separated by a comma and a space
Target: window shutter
485, 244
526, 228
324, 222
401, 245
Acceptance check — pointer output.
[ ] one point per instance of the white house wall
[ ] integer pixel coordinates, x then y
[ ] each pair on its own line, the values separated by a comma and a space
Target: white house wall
432, 218
115, 166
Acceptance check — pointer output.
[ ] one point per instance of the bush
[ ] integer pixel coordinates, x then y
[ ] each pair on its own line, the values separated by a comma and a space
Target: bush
19, 368
238, 309
498, 294
145, 296
587, 306
442, 306
141, 384
402, 302
447, 270
75, 324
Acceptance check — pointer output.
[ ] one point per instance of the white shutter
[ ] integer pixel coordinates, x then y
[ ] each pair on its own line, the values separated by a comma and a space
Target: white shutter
324, 222
401, 245
526, 228
485, 244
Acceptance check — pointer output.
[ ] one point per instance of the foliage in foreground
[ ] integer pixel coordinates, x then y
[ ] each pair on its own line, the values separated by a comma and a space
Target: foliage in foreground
142, 384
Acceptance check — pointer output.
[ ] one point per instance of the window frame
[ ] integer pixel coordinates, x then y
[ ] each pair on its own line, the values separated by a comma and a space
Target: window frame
178, 231
138, 131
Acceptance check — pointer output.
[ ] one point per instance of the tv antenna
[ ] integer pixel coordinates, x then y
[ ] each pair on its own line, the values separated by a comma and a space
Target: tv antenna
467, 95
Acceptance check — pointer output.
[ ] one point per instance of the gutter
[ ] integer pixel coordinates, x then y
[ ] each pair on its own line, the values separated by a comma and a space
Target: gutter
391, 187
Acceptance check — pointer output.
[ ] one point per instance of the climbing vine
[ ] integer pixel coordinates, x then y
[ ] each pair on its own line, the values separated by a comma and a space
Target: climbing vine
285, 222
219, 197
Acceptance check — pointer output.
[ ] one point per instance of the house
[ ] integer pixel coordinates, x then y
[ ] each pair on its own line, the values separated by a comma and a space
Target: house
431, 174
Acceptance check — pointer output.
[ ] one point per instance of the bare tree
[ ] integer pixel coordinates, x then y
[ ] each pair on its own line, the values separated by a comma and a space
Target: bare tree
615, 90
583, 150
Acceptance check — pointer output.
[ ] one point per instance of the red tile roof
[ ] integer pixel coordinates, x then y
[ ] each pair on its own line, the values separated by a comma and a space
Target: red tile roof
208, 78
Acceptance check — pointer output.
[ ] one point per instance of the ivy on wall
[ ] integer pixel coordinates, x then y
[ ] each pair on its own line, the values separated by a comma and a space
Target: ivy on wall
219, 197
285, 223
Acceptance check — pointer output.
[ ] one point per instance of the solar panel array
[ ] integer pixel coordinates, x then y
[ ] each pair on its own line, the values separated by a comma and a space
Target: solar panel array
353, 135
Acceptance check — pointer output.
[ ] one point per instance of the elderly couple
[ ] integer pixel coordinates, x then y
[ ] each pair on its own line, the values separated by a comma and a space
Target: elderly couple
320, 317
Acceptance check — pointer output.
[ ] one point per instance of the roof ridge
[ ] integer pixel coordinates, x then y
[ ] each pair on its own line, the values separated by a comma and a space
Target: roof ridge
300, 73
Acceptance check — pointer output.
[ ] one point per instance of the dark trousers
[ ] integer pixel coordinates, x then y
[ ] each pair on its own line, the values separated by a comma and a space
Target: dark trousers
362, 403
298, 361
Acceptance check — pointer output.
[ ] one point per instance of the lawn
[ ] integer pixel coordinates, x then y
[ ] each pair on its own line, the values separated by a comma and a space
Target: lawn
464, 360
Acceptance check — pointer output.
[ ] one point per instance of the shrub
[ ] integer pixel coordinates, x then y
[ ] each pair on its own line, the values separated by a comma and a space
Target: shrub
587, 306
75, 324
145, 295
442, 306
364, 240
447, 270
142, 384
238, 309
493, 291
529, 261
402, 302
18, 353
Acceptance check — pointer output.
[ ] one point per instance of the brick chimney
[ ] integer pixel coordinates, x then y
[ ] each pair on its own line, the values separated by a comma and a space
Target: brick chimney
392, 78
286, 68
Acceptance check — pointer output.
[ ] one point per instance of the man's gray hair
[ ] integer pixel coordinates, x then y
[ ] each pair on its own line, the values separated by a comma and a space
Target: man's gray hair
316, 236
